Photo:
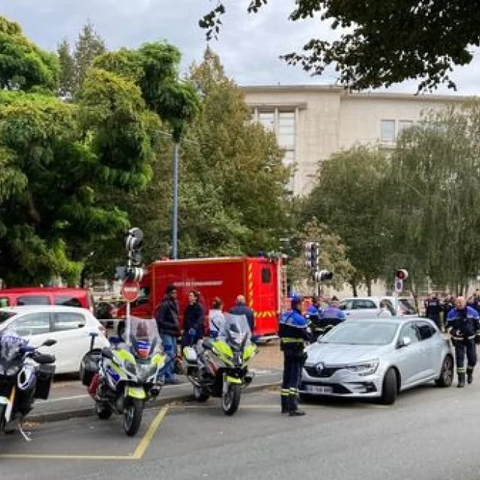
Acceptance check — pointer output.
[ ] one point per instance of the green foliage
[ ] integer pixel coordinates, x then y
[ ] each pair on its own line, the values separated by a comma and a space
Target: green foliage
436, 176
381, 42
89, 46
67, 82
154, 67
24, 66
349, 199
74, 65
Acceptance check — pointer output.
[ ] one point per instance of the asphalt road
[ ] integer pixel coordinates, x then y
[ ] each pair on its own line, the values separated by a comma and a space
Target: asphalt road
428, 434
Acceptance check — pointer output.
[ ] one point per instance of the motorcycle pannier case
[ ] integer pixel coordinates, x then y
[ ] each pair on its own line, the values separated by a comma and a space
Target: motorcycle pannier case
45, 375
89, 366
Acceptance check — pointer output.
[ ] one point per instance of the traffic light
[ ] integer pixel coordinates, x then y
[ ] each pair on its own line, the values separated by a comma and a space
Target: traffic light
401, 274
133, 245
312, 253
315, 254
323, 276
135, 274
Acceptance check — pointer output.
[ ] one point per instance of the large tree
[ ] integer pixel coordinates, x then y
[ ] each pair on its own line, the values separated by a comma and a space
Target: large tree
434, 184
349, 198
24, 66
74, 64
381, 42
68, 167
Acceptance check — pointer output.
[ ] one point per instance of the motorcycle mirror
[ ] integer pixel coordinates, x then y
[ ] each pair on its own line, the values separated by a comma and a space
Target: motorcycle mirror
49, 342
107, 353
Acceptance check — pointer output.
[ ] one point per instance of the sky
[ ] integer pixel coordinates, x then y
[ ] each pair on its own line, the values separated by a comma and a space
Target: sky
249, 45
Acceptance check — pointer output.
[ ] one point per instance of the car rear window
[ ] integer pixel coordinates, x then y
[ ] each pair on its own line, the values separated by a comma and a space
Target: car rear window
67, 301
33, 300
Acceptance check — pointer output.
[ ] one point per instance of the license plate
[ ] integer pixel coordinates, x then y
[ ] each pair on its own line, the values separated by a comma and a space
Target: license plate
319, 389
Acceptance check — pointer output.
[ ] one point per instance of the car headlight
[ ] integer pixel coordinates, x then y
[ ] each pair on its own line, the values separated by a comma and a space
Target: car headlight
365, 368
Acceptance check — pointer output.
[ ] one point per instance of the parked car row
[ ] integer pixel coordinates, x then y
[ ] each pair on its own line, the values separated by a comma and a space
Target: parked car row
368, 307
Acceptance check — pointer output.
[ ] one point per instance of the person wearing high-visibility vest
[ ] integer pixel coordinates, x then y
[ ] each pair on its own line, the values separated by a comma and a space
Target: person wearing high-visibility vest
293, 333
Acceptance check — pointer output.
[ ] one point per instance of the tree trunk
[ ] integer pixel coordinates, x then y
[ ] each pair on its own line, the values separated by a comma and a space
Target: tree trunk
369, 287
353, 284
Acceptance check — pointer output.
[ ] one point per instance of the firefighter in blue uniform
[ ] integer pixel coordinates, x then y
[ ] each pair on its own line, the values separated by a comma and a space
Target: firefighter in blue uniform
464, 327
293, 333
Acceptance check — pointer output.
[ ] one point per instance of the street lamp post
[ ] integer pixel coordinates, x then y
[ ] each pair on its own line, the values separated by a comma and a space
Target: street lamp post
175, 204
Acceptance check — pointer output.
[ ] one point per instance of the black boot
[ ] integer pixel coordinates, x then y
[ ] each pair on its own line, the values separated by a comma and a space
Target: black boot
293, 407
296, 413
461, 380
470, 376
285, 408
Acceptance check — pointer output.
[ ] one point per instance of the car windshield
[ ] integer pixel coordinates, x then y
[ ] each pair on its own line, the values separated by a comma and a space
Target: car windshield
6, 315
406, 306
361, 333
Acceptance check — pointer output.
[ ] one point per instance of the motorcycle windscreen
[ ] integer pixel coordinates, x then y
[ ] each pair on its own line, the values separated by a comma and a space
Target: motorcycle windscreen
237, 330
11, 345
144, 337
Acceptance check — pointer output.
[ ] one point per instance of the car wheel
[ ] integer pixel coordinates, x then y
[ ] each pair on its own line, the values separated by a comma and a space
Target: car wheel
446, 374
389, 389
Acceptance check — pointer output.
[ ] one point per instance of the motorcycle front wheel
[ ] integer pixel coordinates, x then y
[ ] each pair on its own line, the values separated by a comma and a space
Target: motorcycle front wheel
132, 418
200, 394
231, 398
104, 412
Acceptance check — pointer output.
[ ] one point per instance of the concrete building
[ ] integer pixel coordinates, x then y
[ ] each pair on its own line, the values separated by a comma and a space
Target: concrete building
313, 122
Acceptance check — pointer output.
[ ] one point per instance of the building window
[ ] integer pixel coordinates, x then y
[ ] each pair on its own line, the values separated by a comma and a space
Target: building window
388, 131
267, 119
286, 130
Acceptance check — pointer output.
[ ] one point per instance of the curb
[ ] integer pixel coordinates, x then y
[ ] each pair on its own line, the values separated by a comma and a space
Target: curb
89, 411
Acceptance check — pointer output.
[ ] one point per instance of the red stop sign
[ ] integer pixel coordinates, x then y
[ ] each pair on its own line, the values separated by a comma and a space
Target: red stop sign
130, 290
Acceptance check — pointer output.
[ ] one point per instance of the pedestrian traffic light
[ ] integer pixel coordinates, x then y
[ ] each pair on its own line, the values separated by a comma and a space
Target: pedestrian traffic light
323, 276
401, 274
135, 274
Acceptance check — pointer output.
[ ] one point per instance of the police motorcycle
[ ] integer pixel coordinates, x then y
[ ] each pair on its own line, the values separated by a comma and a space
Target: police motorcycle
25, 375
217, 367
123, 378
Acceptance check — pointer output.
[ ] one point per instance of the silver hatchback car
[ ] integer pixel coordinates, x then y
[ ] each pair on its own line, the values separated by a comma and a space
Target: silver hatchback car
377, 359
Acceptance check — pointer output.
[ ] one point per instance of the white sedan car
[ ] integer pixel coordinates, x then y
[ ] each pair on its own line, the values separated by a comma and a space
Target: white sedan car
69, 326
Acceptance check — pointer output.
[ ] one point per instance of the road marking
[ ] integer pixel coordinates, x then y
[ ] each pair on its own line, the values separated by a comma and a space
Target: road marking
147, 438
137, 455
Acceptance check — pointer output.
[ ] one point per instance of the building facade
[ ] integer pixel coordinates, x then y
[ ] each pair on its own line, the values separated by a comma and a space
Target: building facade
313, 122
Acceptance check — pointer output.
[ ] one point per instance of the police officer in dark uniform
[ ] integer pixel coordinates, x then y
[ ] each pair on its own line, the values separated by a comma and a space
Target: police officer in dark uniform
448, 305
464, 327
294, 333
433, 309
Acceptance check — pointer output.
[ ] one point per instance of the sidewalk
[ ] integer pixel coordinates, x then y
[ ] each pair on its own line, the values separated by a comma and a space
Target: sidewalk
69, 398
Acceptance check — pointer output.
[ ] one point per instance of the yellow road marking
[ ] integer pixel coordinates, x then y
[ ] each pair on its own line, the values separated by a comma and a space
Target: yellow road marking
147, 438
137, 455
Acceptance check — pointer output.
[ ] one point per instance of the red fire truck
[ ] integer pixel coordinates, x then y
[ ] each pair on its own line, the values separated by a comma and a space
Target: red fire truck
261, 280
